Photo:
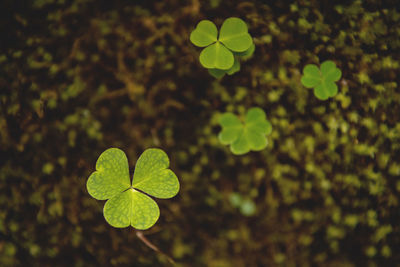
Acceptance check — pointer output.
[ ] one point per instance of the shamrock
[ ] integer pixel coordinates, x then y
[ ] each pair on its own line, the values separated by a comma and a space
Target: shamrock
323, 81
128, 203
220, 50
243, 137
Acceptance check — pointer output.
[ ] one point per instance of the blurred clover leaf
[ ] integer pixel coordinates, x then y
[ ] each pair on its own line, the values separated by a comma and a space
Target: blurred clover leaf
322, 80
221, 52
243, 137
246, 206
128, 203
217, 73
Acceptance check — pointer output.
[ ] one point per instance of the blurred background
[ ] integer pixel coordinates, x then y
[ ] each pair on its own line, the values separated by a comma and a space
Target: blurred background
78, 77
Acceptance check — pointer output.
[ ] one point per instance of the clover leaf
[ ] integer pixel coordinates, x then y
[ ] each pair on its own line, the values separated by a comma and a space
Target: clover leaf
219, 49
234, 35
217, 73
128, 203
246, 206
243, 137
248, 53
322, 80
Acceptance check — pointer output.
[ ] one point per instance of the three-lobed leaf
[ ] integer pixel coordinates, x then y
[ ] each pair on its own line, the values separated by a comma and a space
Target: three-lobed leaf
322, 80
128, 203
243, 137
219, 51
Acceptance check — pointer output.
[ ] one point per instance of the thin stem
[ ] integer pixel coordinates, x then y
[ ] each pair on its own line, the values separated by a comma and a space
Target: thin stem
141, 236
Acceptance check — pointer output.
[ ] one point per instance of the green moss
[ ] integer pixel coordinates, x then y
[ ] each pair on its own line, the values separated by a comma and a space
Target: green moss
80, 76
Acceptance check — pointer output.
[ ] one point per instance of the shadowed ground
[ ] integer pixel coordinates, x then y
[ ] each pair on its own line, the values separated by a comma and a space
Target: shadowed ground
78, 77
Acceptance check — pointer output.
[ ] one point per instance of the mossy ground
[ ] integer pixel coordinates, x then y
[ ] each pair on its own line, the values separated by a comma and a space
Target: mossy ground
78, 77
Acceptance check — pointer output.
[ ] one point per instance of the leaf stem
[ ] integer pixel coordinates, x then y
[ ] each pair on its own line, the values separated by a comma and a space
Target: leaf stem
141, 236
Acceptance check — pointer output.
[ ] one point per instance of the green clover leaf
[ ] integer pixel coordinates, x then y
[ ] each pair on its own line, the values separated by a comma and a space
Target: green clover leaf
216, 56
322, 80
234, 35
218, 51
205, 34
243, 137
217, 73
248, 53
246, 206
127, 202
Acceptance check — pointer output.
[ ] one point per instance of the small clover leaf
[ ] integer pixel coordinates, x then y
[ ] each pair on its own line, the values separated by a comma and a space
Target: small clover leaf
322, 80
128, 203
205, 34
235, 67
234, 35
248, 53
219, 50
243, 137
246, 206
216, 56
217, 73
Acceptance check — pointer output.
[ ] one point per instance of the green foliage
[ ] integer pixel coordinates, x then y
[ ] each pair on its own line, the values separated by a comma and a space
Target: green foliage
126, 206
245, 136
245, 205
322, 80
120, 74
221, 52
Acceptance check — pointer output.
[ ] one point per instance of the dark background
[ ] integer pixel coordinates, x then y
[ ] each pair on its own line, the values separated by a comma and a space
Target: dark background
78, 77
